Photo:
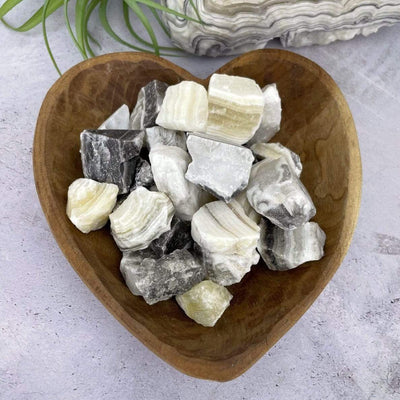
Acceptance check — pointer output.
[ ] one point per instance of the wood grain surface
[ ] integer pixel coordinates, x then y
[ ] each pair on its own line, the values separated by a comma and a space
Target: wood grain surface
316, 124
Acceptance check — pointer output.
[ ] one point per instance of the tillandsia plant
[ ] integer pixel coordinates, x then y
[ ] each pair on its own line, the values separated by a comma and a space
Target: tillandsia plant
80, 35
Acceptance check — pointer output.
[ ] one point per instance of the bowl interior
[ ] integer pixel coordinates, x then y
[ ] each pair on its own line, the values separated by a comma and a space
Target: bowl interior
316, 124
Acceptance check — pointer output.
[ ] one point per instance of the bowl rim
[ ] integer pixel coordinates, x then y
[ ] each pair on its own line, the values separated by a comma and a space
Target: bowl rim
220, 370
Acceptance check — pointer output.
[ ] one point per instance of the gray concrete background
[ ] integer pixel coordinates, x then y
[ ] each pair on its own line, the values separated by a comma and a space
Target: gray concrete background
58, 342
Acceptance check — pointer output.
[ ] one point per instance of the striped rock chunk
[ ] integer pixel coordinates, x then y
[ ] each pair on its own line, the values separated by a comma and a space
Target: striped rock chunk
141, 218
273, 151
185, 107
90, 203
241, 199
169, 165
157, 135
236, 107
283, 250
276, 192
110, 156
220, 168
148, 105
237, 26
158, 279
218, 227
205, 303
118, 120
271, 118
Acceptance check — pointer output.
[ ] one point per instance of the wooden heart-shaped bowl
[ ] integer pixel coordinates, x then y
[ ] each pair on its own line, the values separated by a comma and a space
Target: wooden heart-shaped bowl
316, 123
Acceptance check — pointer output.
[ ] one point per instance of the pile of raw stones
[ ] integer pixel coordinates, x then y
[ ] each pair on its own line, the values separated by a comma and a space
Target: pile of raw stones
189, 207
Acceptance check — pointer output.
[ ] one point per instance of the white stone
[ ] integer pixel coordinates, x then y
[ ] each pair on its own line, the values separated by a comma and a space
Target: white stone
118, 120
90, 203
220, 168
273, 151
157, 135
185, 107
169, 165
205, 303
272, 113
235, 107
218, 227
141, 218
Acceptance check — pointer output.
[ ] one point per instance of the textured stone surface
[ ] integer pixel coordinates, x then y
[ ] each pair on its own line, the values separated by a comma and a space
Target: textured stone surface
344, 347
205, 303
157, 135
143, 175
271, 118
90, 203
169, 165
178, 237
220, 168
158, 279
241, 198
235, 108
226, 269
148, 105
111, 155
220, 228
297, 23
118, 120
141, 218
282, 249
276, 192
273, 151
185, 107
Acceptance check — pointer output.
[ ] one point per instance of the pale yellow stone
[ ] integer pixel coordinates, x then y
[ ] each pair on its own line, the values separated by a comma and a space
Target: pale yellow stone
235, 108
205, 302
90, 203
224, 228
141, 218
185, 107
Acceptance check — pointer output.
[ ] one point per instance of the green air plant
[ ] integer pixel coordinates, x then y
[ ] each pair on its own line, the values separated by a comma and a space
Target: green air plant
80, 35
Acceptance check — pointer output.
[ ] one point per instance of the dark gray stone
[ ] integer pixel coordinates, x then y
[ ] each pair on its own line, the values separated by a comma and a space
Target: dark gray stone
178, 237
143, 175
158, 279
148, 105
111, 156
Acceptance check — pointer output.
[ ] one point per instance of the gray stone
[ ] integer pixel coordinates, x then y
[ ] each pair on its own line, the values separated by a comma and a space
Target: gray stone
283, 250
148, 105
143, 175
158, 279
178, 237
110, 156
276, 192
157, 135
226, 269
220, 168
